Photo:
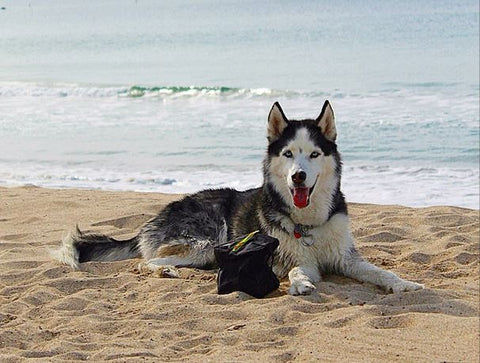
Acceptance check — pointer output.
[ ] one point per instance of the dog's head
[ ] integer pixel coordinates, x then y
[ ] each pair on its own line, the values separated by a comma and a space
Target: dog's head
302, 155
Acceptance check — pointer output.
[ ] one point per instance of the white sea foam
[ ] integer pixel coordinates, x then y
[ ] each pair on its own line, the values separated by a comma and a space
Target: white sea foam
412, 186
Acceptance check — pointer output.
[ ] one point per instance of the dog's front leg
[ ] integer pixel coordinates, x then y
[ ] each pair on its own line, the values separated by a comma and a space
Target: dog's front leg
356, 267
302, 279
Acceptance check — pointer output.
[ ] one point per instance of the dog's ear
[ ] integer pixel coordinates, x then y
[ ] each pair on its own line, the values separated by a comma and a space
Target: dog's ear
326, 122
277, 122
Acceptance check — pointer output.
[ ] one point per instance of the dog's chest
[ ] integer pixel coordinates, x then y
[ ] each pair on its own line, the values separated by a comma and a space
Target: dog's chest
324, 247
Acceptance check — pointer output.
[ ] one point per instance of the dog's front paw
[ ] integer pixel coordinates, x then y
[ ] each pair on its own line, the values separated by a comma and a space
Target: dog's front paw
404, 286
301, 287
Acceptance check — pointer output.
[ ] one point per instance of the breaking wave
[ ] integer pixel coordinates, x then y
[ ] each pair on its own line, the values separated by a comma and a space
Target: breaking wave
136, 91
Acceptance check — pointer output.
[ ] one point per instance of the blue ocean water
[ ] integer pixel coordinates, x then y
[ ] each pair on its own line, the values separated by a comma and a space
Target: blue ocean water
174, 96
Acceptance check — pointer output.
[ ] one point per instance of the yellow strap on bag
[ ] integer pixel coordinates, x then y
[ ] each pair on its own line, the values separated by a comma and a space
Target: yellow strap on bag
241, 243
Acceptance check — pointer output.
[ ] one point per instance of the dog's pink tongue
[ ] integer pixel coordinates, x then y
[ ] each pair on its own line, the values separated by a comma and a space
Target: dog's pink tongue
300, 197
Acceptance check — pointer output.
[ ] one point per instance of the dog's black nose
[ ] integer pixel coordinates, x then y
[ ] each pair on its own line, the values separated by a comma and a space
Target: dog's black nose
299, 177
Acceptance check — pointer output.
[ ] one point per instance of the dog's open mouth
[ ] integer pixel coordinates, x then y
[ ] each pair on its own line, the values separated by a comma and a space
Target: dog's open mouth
301, 196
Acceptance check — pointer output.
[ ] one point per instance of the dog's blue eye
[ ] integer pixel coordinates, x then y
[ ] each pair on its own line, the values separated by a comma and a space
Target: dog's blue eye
314, 155
288, 154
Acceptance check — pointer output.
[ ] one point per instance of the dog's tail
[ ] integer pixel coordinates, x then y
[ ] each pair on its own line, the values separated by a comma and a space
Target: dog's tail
79, 247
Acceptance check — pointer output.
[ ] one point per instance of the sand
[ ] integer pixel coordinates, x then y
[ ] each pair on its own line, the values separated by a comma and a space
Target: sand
112, 311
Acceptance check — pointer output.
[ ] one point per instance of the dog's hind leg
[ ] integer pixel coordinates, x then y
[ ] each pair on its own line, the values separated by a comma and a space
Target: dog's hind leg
356, 267
182, 253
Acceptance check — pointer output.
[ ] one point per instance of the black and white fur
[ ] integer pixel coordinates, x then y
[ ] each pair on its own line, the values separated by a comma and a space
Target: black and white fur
300, 195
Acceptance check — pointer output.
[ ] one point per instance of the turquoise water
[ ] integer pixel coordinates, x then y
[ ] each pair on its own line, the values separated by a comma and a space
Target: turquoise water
157, 96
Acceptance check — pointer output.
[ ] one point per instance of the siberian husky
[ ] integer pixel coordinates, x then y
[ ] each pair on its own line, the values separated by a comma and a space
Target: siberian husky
300, 203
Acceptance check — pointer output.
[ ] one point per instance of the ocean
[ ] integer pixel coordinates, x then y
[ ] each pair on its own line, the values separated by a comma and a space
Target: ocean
173, 97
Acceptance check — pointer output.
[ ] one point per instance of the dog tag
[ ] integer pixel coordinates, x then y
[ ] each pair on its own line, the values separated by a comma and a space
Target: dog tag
298, 231
301, 231
307, 241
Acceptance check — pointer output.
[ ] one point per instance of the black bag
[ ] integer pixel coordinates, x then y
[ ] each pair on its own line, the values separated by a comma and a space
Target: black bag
246, 265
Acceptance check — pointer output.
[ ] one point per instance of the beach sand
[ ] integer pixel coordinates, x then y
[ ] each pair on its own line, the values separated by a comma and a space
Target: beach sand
111, 311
